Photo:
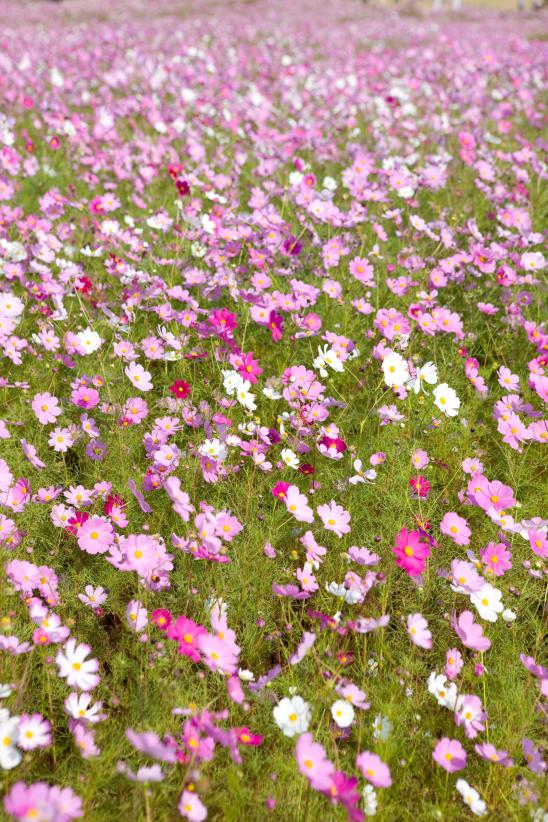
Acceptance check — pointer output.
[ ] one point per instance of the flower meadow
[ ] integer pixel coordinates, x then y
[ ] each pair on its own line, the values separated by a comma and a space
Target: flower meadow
273, 393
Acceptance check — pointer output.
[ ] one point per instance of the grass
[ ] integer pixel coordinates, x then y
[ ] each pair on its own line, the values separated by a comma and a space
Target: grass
143, 682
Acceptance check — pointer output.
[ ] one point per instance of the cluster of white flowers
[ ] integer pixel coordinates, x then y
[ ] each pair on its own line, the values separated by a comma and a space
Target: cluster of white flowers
327, 357
235, 385
397, 375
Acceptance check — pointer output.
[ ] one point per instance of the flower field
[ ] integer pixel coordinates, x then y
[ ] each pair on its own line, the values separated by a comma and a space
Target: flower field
273, 392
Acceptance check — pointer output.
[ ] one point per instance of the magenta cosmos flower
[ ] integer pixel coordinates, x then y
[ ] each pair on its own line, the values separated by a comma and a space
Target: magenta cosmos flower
95, 535
187, 633
411, 553
374, 769
450, 754
334, 518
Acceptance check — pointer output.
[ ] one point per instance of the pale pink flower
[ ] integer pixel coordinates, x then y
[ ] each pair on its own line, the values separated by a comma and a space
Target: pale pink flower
46, 408
334, 518
138, 376
419, 633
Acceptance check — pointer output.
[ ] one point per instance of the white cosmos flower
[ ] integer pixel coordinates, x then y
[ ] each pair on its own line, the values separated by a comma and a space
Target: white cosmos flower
426, 373
231, 381
382, 727
75, 668
245, 397
208, 224
327, 356
292, 715
271, 393
290, 458
446, 400
395, 369
81, 707
245, 675
362, 476
445, 693
89, 340
369, 800
471, 797
487, 602
343, 713
214, 449
10, 756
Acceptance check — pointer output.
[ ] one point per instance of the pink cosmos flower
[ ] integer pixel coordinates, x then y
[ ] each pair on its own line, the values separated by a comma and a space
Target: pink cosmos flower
533, 756
469, 632
46, 408
314, 552
136, 615
411, 552
141, 553
84, 739
161, 617
334, 518
191, 807
488, 751
513, 431
469, 712
453, 663
465, 578
218, 654
374, 769
419, 633
313, 762
85, 397
353, 694
538, 540
180, 499
497, 558
42, 801
138, 376
472, 466
33, 732
150, 744
493, 494
95, 535
450, 754
297, 504
419, 459
456, 528
508, 380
